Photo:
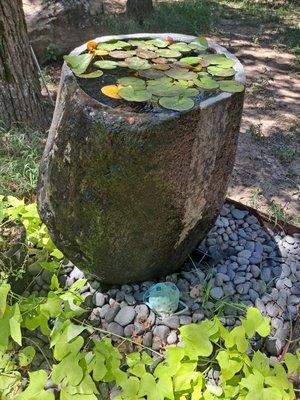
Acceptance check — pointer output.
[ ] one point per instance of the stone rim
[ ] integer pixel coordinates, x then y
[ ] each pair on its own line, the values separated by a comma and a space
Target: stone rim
238, 67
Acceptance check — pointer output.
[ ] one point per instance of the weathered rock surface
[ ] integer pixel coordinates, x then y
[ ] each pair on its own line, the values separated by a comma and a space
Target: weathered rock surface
130, 200
56, 26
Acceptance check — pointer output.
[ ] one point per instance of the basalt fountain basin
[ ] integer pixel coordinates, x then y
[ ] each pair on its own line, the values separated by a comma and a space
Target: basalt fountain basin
127, 193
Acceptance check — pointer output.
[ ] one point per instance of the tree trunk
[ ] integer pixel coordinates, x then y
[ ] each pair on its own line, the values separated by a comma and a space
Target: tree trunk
20, 97
139, 9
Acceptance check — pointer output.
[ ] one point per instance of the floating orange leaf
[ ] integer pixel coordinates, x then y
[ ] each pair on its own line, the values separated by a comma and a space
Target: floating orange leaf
170, 40
91, 46
111, 91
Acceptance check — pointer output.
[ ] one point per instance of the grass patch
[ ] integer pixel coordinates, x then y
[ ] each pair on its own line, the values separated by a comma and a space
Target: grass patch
20, 153
189, 17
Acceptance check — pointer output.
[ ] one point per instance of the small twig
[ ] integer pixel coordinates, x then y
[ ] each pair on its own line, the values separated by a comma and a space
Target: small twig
41, 75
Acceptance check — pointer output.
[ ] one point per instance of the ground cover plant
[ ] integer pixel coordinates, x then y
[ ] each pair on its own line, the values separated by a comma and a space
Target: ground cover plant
82, 358
164, 72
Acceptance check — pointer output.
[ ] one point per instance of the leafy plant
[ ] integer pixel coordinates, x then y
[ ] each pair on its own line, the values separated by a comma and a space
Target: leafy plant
148, 61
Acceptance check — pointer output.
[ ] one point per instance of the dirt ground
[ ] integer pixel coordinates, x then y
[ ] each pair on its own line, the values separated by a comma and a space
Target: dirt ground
266, 175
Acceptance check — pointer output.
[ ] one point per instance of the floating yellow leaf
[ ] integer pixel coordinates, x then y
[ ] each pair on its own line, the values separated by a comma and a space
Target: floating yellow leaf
100, 53
91, 45
197, 68
111, 91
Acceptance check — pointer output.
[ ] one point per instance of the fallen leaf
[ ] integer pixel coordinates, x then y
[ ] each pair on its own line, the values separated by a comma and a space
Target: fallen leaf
91, 46
111, 91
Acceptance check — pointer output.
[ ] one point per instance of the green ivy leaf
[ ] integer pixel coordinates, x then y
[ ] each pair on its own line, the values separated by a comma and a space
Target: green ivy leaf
230, 363
236, 337
73, 331
35, 389
196, 339
292, 362
26, 356
4, 290
15, 324
255, 322
78, 64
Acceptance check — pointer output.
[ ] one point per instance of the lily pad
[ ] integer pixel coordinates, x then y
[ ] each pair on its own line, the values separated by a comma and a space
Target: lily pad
137, 63
146, 54
190, 60
207, 83
202, 41
152, 74
137, 42
130, 94
166, 90
222, 72
190, 92
111, 91
158, 43
161, 60
78, 64
204, 63
122, 64
94, 74
220, 60
109, 46
181, 47
167, 53
100, 53
121, 54
231, 86
136, 83
106, 64
181, 73
161, 67
160, 81
177, 103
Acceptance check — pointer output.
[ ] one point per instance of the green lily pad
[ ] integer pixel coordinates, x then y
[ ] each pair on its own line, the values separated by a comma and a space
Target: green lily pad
207, 83
231, 86
94, 74
160, 81
167, 53
109, 46
190, 92
190, 60
146, 54
130, 94
122, 64
177, 103
137, 63
106, 64
184, 84
78, 64
166, 90
181, 73
137, 42
220, 60
222, 72
158, 43
182, 47
136, 83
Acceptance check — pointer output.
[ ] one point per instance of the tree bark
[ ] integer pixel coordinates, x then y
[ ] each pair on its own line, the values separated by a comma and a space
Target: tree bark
20, 96
139, 9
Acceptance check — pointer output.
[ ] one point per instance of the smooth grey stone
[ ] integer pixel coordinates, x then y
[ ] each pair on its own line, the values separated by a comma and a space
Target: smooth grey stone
266, 274
229, 289
76, 274
260, 305
244, 254
296, 289
95, 318
272, 309
112, 293
243, 261
276, 323
69, 281
125, 315
127, 288
238, 214
151, 318
290, 239
115, 328
183, 285
130, 300
250, 246
293, 299
253, 295
120, 296
139, 296
243, 288
198, 316
185, 320
95, 284
255, 271
162, 332
172, 337
142, 312
88, 299
274, 294
217, 293
282, 333
84, 289
39, 281
99, 299
139, 329
147, 339
111, 313
171, 321
239, 279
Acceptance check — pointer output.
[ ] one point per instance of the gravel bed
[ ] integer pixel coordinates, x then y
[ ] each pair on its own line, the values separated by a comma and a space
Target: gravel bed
239, 264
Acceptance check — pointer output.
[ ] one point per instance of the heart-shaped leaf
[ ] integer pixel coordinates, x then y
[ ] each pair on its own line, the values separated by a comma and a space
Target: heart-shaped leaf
207, 83
161, 67
146, 54
222, 72
220, 60
100, 53
152, 74
106, 64
177, 103
167, 53
190, 92
111, 91
202, 41
166, 90
128, 93
231, 86
158, 43
121, 54
136, 83
94, 74
181, 73
78, 64
190, 60
181, 47
137, 63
